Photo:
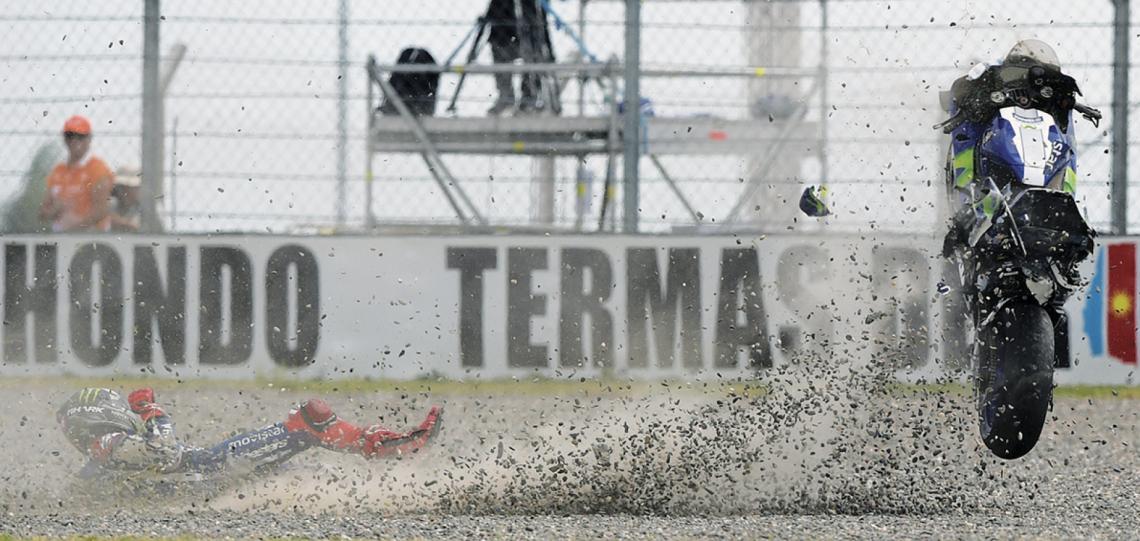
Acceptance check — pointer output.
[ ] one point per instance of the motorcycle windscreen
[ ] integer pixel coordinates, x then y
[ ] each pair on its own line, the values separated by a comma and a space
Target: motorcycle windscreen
1033, 51
1024, 146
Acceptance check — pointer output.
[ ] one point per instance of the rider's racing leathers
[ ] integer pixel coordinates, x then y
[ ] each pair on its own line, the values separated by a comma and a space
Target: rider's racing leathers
137, 434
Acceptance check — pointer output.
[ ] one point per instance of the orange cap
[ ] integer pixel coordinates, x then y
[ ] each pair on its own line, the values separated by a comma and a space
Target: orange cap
77, 124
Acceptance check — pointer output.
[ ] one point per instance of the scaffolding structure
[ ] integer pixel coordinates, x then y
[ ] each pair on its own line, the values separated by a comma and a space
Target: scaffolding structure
569, 135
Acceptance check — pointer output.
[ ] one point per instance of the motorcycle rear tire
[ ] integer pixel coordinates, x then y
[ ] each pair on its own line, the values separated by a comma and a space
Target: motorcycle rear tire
1014, 383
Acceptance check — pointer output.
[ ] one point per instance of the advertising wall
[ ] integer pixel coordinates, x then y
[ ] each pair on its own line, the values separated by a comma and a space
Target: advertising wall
503, 306
1102, 318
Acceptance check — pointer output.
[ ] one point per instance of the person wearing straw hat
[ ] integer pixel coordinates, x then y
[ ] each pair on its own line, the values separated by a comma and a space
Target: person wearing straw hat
126, 212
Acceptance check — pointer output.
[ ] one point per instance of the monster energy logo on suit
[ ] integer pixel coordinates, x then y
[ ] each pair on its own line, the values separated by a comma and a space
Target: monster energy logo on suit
138, 296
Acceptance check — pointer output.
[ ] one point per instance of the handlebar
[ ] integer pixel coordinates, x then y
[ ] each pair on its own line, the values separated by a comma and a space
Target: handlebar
950, 124
1029, 87
1093, 115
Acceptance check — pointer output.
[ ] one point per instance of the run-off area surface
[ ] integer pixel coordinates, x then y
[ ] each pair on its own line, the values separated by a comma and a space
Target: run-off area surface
830, 455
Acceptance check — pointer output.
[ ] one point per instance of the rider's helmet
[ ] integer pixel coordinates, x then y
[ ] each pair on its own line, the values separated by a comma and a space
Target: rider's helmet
93, 413
1033, 51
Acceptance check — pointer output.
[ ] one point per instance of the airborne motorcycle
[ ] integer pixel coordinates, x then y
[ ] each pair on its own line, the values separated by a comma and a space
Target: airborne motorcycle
1017, 236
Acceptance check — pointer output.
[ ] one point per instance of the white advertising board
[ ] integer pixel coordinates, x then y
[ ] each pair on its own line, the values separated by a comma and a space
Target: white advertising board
481, 306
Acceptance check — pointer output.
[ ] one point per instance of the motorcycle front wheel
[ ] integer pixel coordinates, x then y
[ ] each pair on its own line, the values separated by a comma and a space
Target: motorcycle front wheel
1014, 379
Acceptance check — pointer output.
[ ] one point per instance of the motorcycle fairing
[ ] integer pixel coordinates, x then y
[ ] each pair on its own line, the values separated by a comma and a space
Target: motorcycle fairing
1027, 146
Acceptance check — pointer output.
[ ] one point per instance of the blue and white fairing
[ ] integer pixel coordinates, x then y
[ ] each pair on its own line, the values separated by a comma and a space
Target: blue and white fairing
1028, 147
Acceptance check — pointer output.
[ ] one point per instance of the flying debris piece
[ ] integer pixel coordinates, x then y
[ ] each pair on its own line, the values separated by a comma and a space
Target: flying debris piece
811, 202
873, 317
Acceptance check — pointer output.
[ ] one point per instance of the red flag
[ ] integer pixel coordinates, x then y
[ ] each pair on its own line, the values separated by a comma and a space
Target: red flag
1120, 322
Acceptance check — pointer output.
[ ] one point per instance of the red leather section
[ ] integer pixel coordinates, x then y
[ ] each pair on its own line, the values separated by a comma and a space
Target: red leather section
380, 442
317, 418
374, 441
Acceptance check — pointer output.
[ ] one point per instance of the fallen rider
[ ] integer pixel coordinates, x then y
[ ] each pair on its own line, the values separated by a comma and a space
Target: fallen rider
136, 434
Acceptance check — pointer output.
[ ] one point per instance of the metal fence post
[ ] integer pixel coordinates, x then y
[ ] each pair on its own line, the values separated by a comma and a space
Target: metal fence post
824, 103
342, 115
631, 130
370, 116
151, 119
1120, 118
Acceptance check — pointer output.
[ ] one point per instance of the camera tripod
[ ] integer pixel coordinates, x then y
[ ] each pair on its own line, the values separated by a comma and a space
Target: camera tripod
534, 47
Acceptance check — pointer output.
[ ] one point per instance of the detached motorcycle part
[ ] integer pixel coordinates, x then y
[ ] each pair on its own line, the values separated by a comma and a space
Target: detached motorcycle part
1061, 339
812, 204
1014, 383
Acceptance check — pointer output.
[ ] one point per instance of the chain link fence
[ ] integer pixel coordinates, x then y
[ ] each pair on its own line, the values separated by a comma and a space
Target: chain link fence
77, 59
268, 109
887, 62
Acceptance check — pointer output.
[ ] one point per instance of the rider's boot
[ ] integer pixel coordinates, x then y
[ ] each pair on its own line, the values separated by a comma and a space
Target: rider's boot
315, 418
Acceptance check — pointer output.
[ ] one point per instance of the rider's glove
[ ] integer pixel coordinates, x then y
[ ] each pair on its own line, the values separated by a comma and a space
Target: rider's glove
153, 416
380, 442
140, 398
